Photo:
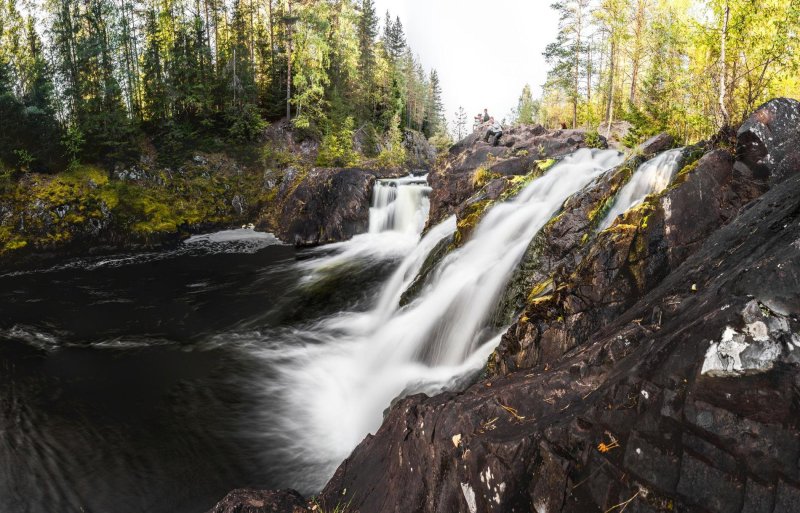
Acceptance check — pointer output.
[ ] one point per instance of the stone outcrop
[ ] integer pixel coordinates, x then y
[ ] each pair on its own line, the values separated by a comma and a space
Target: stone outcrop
318, 206
421, 153
261, 501
143, 204
768, 143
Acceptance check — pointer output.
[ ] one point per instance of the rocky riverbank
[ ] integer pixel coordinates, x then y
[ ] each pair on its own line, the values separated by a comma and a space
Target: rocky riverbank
654, 365
274, 184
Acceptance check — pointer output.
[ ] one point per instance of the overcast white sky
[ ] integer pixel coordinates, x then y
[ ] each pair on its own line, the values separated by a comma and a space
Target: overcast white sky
484, 51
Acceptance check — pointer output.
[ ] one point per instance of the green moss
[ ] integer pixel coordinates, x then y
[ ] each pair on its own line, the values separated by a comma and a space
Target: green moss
471, 216
482, 176
539, 289
544, 165
55, 210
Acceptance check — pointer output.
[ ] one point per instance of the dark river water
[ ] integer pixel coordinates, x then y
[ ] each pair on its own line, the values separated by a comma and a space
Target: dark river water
124, 386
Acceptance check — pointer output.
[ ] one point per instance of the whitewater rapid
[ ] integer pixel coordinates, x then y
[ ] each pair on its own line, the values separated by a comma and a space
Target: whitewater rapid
651, 177
341, 372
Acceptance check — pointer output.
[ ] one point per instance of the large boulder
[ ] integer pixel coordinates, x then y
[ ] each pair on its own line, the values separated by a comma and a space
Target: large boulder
319, 206
421, 153
769, 141
654, 367
261, 501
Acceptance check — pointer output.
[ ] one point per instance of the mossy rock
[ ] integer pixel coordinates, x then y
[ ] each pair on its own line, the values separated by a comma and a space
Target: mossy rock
437, 254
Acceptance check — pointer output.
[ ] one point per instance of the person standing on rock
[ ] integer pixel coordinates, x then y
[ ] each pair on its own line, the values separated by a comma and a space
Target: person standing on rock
486, 116
495, 131
476, 122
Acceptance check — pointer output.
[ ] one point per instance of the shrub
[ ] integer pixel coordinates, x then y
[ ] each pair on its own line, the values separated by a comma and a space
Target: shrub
593, 139
245, 123
336, 148
394, 154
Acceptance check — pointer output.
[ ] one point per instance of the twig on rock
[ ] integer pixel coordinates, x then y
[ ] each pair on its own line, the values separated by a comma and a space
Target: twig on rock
624, 504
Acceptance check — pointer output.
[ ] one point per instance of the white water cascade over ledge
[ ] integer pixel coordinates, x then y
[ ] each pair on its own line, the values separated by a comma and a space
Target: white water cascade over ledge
651, 177
337, 375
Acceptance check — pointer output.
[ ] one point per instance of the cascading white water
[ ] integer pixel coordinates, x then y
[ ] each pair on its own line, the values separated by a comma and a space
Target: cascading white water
396, 218
651, 177
344, 370
399, 204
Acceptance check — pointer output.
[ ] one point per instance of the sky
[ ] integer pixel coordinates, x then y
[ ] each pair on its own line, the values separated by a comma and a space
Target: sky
484, 51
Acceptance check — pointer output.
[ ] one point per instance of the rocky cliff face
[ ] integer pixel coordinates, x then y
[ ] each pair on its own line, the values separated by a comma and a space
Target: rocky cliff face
655, 366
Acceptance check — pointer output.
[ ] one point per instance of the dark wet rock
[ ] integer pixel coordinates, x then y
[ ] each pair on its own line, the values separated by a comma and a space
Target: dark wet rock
260, 501
436, 255
656, 144
421, 153
768, 142
628, 414
319, 206
589, 285
705, 486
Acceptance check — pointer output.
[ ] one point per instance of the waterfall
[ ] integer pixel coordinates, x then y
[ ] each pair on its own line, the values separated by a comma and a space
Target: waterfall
343, 371
399, 204
396, 218
651, 177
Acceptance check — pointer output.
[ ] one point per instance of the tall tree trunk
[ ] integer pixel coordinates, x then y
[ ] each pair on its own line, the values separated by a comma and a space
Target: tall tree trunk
289, 66
589, 72
271, 39
611, 68
638, 38
722, 68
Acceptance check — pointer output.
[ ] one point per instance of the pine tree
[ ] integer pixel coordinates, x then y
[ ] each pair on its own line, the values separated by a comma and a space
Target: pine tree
434, 110
395, 38
566, 52
526, 107
460, 124
367, 32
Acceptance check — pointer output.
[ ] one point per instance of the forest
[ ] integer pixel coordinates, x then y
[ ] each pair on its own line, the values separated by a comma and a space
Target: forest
687, 67
93, 81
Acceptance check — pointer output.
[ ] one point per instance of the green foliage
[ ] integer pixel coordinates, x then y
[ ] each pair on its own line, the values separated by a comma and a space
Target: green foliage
245, 123
441, 141
73, 142
527, 108
593, 139
660, 65
336, 149
394, 153
201, 77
